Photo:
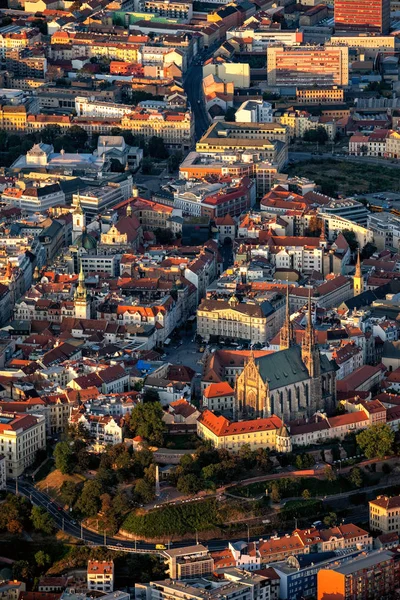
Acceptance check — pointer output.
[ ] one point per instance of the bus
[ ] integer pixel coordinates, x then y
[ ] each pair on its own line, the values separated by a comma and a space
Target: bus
161, 547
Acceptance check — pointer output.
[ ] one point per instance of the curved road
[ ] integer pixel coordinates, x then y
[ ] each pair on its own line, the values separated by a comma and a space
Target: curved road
65, 522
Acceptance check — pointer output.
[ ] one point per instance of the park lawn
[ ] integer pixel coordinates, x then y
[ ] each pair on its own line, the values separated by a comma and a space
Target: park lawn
347, 177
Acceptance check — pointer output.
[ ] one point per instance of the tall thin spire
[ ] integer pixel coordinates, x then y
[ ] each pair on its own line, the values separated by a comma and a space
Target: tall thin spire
358, 265
78, 209
358, 281
309, 349
287, 333
309, 317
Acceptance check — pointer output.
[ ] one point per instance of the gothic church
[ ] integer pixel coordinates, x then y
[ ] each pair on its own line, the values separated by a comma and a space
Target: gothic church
293, 383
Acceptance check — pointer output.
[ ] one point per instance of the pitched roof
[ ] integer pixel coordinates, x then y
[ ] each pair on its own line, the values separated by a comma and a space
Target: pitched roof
221, 426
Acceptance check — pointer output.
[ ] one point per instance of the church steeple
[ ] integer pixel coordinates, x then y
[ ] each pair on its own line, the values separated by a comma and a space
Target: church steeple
309, 349
358, 281
287, 333
82, 305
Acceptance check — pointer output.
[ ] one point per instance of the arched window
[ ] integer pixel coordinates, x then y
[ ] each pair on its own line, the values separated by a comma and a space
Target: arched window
289, 399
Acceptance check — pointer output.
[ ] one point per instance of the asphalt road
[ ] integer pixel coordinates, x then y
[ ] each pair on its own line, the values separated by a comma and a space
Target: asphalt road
193, 88
66, 523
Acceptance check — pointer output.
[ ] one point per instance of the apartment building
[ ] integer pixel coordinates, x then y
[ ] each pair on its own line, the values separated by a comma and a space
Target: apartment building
100, 575
21, 436
384, 514
307, 65
167, 9
175, 128
189, 562
14, 37
367, 577
26, 63
367, 43
91, 107
320, 95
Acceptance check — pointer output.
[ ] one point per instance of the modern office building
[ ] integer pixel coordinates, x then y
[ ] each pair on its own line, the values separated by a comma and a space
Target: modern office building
362, 15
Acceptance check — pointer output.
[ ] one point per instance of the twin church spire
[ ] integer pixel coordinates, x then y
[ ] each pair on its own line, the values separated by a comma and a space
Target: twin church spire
309, 350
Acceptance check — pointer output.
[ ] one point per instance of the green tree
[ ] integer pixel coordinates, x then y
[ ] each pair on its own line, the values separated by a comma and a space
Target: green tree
329, 473
174, 161
146, 421
121, 504
77, 135
83, 459
275, 495
50, 133
356, 477
330, 520
69, 492
156, 148
230, 114
21, 570
147, 166
314, 227
41, 520
150, 395
189, 483
64, 458
89, 501
41, 25
163, 236
14, 514
376, 441
351, 239
42, 558
144, 491
368, 250
318, 135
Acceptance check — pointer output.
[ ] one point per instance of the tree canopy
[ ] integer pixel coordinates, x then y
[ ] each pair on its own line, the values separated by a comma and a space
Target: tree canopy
376, 441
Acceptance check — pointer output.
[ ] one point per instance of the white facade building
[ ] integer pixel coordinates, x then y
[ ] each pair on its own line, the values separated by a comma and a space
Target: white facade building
254, 111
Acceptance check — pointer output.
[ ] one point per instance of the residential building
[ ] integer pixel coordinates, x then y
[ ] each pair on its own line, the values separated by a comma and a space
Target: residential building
3, 483
320, 95
307, 65
189, 562
384, 514
21, 436
100, 575
254, 111
369, 577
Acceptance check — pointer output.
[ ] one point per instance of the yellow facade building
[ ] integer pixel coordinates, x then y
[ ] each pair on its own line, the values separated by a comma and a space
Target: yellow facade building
384, 514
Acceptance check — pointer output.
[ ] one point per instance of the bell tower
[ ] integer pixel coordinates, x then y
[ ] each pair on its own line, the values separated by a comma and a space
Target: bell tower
78, 220
287, 333
309, 350
358, 281
82, 306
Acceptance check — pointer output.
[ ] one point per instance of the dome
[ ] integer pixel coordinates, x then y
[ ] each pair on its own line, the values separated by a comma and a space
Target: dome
86, 241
